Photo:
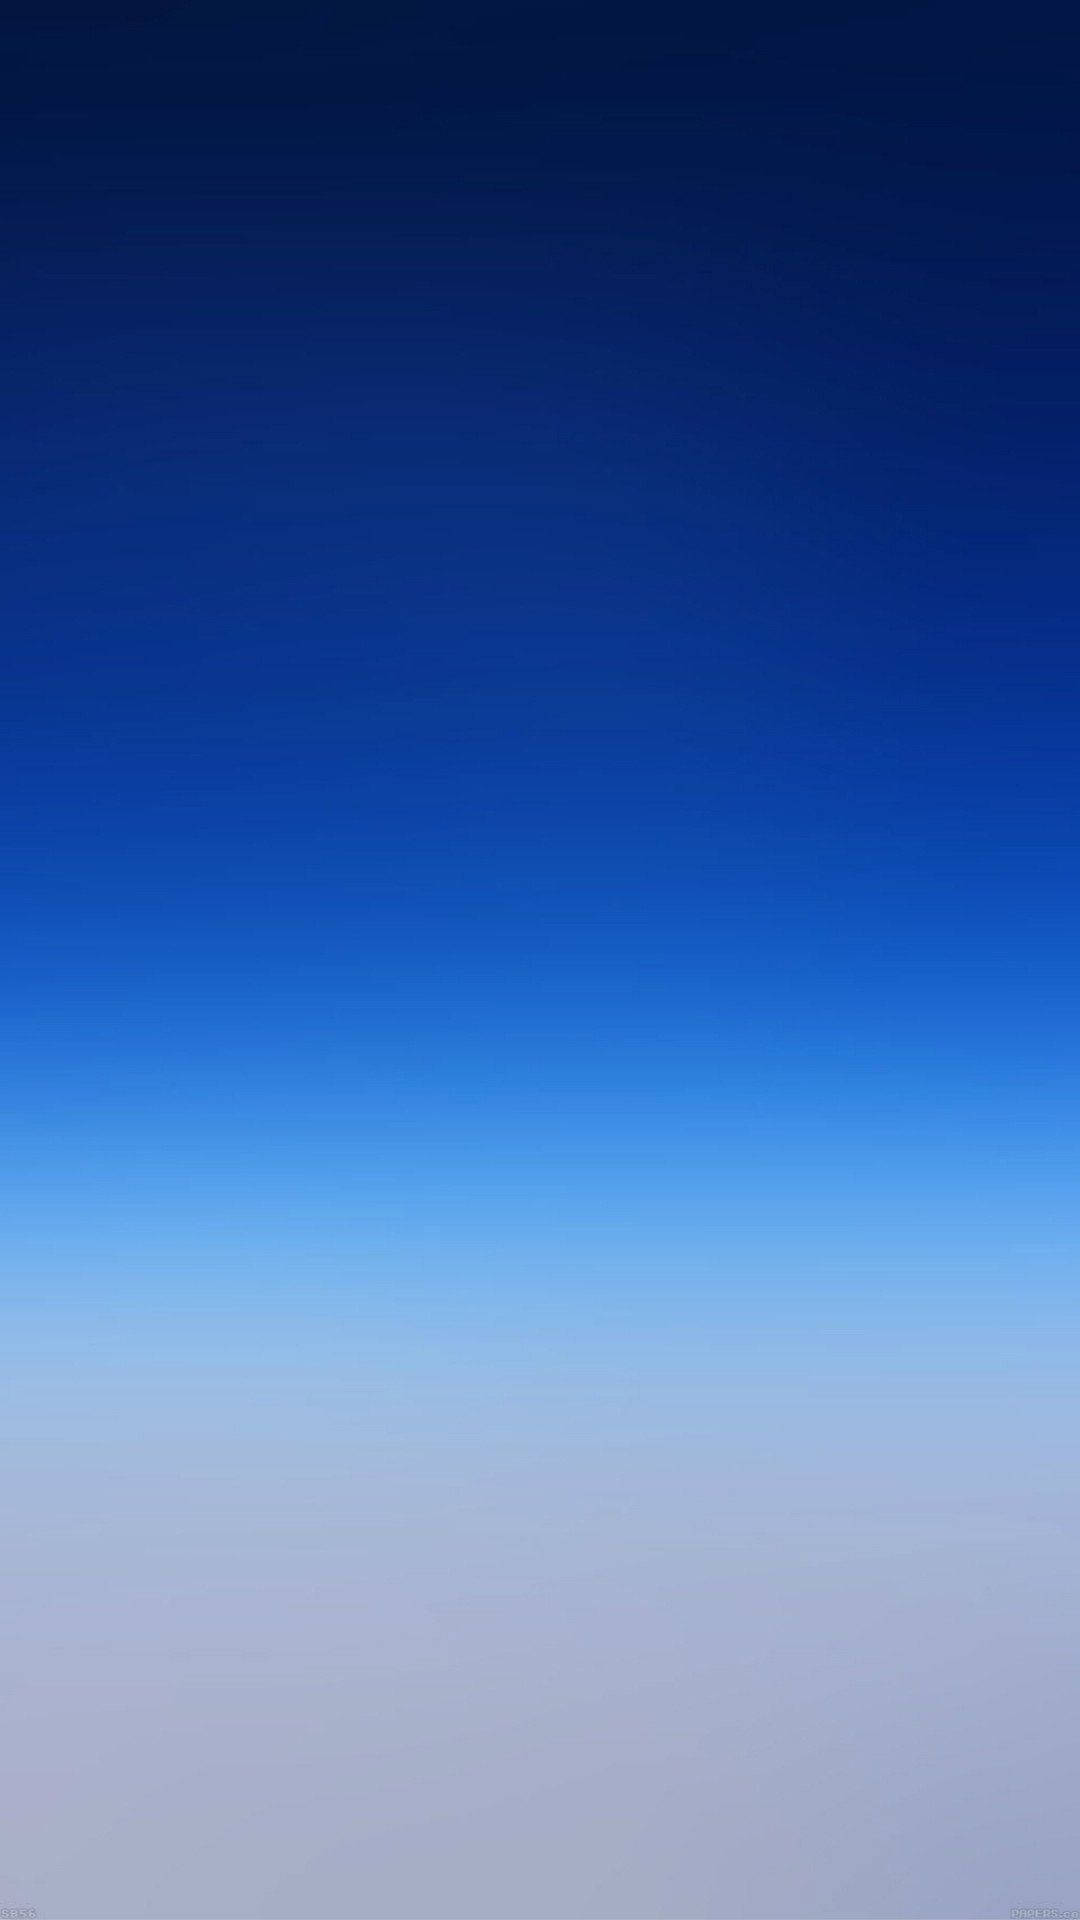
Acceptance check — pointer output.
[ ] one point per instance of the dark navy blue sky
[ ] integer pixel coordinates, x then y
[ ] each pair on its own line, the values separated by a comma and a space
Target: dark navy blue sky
540, 698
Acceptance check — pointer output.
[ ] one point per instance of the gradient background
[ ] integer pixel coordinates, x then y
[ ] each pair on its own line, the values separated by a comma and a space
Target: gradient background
540, 1064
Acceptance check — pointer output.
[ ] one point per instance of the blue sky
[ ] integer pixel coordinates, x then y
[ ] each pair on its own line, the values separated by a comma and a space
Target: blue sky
538, 850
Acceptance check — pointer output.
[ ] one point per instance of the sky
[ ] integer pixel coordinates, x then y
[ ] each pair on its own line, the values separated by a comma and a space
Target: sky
539, 868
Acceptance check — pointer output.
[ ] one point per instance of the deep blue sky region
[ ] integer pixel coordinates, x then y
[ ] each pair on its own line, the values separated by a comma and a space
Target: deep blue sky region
539, 720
